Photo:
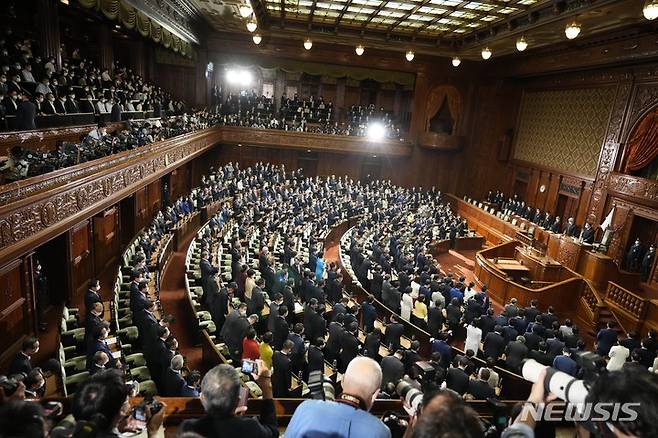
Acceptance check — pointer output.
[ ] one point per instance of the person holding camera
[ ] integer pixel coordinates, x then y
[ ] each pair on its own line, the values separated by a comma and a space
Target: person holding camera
101, 408
220, 394
348, 416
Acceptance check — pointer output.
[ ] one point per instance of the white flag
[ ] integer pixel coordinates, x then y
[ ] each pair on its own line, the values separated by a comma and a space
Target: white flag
608, 220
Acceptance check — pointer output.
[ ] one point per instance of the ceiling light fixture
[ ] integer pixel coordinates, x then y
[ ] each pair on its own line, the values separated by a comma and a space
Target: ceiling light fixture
245, 10
650, 9
252, 25
360, 49
521, 44
257, 38
308, 44
410, 55
376, 131
456, 61
572, 30
486, 53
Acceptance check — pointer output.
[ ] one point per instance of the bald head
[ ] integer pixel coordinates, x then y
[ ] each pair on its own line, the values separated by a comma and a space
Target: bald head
362, 379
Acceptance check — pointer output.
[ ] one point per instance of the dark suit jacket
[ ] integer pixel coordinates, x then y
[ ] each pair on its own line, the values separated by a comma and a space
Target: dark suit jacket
315, 359
349, 348
138, 301
281, 378
515, 352
91, 297
480, 389
494, 345
314, 325
392, 370
263, 427
605, 339
280, 333
20, 364
172, 383
335, 333
457, 380
393, 334
371, 345
115, 115
25, 116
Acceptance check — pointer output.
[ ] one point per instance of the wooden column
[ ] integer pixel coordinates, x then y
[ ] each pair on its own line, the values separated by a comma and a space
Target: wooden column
137, 57
106, 51
48, 22
418, 112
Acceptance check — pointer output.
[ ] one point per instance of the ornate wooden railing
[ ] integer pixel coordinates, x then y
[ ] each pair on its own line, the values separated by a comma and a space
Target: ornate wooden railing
629, 308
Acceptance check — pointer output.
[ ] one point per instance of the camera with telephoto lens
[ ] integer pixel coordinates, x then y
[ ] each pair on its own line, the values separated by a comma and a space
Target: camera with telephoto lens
412, 397
9, 384
321, 386
566, 387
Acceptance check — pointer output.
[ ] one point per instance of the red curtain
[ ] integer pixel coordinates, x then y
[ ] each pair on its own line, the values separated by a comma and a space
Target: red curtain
643, 143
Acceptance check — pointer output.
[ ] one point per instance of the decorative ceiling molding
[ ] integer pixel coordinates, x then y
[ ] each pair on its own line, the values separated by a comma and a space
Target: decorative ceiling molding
177, 16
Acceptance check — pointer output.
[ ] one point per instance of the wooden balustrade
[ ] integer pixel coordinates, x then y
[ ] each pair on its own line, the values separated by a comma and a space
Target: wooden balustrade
629, 308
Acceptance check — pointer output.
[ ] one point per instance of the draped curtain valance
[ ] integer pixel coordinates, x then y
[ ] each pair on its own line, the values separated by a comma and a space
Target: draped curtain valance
131, 18
326, 71
643, 143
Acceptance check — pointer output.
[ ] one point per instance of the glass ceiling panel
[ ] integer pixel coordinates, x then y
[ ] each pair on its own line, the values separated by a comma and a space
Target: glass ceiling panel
432, 17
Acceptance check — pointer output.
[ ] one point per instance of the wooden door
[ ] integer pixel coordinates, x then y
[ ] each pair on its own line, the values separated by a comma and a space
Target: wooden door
106, 239
81, 263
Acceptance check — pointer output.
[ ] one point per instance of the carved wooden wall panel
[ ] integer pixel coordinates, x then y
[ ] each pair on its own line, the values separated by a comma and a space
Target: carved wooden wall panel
15, 314
107, 241
81, 264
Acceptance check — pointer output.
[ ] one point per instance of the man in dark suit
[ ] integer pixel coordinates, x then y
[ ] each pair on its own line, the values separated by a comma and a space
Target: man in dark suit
530, 313
25, 114
256, 303
605, 339
456, 378
218, 302
139, 300
314, 324
282, 377
71, 105
368, 314
207, 273
480, 388
335, 334
115, 114
533, 338
349, 345
571, 229
22, 362
281, 329
92, 295
515, 353
371, 344
392, 368
394, 331
587, 235
494, 343
298, 352
540, 355
315, 356
99, 344
93, 321
173, 382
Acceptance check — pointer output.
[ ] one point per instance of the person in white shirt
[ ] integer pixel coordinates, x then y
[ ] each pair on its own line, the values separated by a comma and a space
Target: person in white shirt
43, 87
406, 305
50, 66
473, 336
101, 106
618, 355
27, 73
470, 291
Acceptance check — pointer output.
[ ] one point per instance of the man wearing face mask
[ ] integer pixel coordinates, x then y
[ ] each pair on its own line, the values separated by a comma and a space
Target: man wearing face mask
38, 103
4, 89
100, 105
43, 87
49, 104
11, 103
15, 84
71, 105
60, 104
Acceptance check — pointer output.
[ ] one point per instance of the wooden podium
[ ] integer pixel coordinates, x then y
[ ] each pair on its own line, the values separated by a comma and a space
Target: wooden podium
564, 250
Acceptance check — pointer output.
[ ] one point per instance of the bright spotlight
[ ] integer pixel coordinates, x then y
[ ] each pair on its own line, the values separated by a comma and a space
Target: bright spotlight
376, 131
239, 77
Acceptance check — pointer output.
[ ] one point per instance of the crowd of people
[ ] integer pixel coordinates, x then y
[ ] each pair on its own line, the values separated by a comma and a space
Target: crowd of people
389, 254
248, 109
32, 85
639, 257
23, 162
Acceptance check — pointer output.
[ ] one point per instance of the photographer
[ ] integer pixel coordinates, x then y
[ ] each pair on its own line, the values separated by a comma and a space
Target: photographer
348, 416
220, 394
101, 408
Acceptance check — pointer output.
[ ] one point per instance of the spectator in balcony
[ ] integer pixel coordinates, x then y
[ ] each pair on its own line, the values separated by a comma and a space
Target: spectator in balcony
27, 73
115, 115
60, 104
71, 105
49, 106
25, 114
10, 103
3, 85
101, 107
43, 87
